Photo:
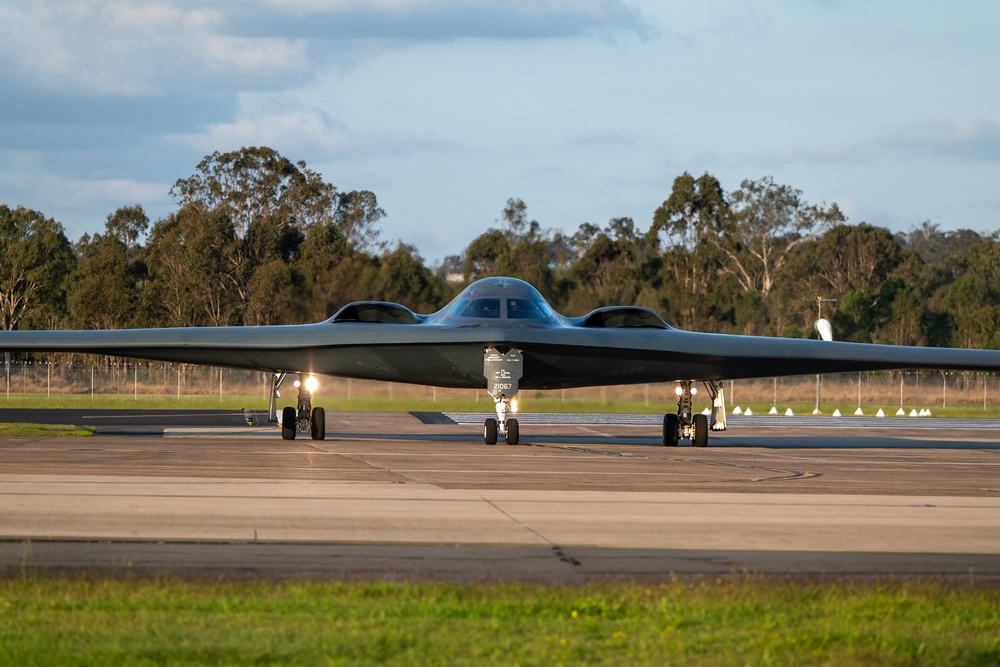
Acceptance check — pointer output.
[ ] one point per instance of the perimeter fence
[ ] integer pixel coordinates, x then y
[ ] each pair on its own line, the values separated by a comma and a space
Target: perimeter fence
155, 379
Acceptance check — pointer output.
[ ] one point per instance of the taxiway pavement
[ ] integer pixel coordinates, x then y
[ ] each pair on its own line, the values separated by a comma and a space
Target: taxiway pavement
390, 495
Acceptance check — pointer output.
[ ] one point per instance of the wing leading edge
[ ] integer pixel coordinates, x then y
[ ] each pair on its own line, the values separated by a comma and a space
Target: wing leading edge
382, 341
610, 346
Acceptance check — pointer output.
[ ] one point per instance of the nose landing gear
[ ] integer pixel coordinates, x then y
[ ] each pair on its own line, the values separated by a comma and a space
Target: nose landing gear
508, 428
502, 372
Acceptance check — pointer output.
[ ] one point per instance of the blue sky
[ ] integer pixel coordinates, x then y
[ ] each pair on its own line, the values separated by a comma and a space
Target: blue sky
585, 109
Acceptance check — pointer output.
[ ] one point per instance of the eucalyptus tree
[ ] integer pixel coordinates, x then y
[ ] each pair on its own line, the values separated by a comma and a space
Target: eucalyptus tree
404, 278
319, 261
518, 248
852, 267
685, 233
767, 223
36, 266
936, 246
615, 269
972, 300
190, 257
357, 214
257, 187
486, 254
112, 275
268, 202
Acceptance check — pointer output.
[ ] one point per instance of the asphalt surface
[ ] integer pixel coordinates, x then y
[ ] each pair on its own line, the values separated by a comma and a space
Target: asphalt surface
399, 496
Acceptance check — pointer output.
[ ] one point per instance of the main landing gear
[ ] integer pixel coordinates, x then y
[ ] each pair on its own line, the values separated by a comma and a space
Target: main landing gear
694, 427
301, 419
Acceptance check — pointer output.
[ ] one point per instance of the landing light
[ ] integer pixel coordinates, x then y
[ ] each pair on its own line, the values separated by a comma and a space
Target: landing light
513, 405
694, 390
312, 384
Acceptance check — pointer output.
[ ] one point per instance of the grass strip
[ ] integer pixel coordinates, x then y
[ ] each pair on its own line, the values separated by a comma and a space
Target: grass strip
730, 621
16, 429
529, 403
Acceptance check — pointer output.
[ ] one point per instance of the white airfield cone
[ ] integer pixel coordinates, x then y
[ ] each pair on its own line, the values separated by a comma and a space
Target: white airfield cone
913, 412
789, 413
880, 413
748, 413
901, 412
773, 410
737, 410
859, 412
836, 413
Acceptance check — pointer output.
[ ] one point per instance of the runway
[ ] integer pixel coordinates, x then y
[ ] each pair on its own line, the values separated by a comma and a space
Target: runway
389, 495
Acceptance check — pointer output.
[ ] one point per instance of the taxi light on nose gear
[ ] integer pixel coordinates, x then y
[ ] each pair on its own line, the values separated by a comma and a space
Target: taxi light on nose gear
312, 384
513, 405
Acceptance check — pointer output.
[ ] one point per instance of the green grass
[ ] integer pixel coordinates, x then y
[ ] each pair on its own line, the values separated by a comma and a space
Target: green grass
101, 621
43, 430
530, 402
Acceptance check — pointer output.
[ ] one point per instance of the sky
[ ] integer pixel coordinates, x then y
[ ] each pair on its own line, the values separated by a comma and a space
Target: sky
585, 109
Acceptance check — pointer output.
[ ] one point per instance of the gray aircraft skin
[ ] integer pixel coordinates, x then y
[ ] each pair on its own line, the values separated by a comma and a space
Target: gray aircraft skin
609, 346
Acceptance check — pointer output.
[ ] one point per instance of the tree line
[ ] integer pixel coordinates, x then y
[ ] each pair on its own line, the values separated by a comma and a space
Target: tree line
257, 239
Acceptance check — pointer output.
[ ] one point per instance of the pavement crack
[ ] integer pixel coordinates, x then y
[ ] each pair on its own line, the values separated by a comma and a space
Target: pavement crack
589, 450
781, 474
380, 468
564, 557
557, 550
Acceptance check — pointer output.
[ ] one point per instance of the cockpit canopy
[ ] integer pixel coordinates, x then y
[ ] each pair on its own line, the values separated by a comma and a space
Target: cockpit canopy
499, 299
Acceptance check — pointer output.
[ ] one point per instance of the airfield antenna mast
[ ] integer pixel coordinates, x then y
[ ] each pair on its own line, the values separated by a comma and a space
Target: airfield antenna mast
820, 300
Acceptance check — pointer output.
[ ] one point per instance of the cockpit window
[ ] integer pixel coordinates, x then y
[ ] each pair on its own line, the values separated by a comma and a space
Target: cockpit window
525, 309
489, 308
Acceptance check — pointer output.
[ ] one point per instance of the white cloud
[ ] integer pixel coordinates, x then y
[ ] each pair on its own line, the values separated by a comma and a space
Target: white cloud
281, 124
963, 136
92, 192
100, 48
252, 56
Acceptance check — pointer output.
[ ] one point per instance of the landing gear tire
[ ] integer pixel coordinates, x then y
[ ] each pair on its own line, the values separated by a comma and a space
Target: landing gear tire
700, 431
490, 431
288, 419
513, 432
670, 430
317, 424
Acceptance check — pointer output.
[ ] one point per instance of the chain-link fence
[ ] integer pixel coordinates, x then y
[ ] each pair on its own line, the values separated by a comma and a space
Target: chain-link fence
142, 379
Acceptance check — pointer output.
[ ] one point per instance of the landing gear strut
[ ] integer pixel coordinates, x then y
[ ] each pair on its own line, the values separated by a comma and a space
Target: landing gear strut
508, 428
694, 427
304, 418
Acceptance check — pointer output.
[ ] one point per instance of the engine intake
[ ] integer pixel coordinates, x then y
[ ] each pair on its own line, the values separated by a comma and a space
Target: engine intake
623, 317
375, 311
